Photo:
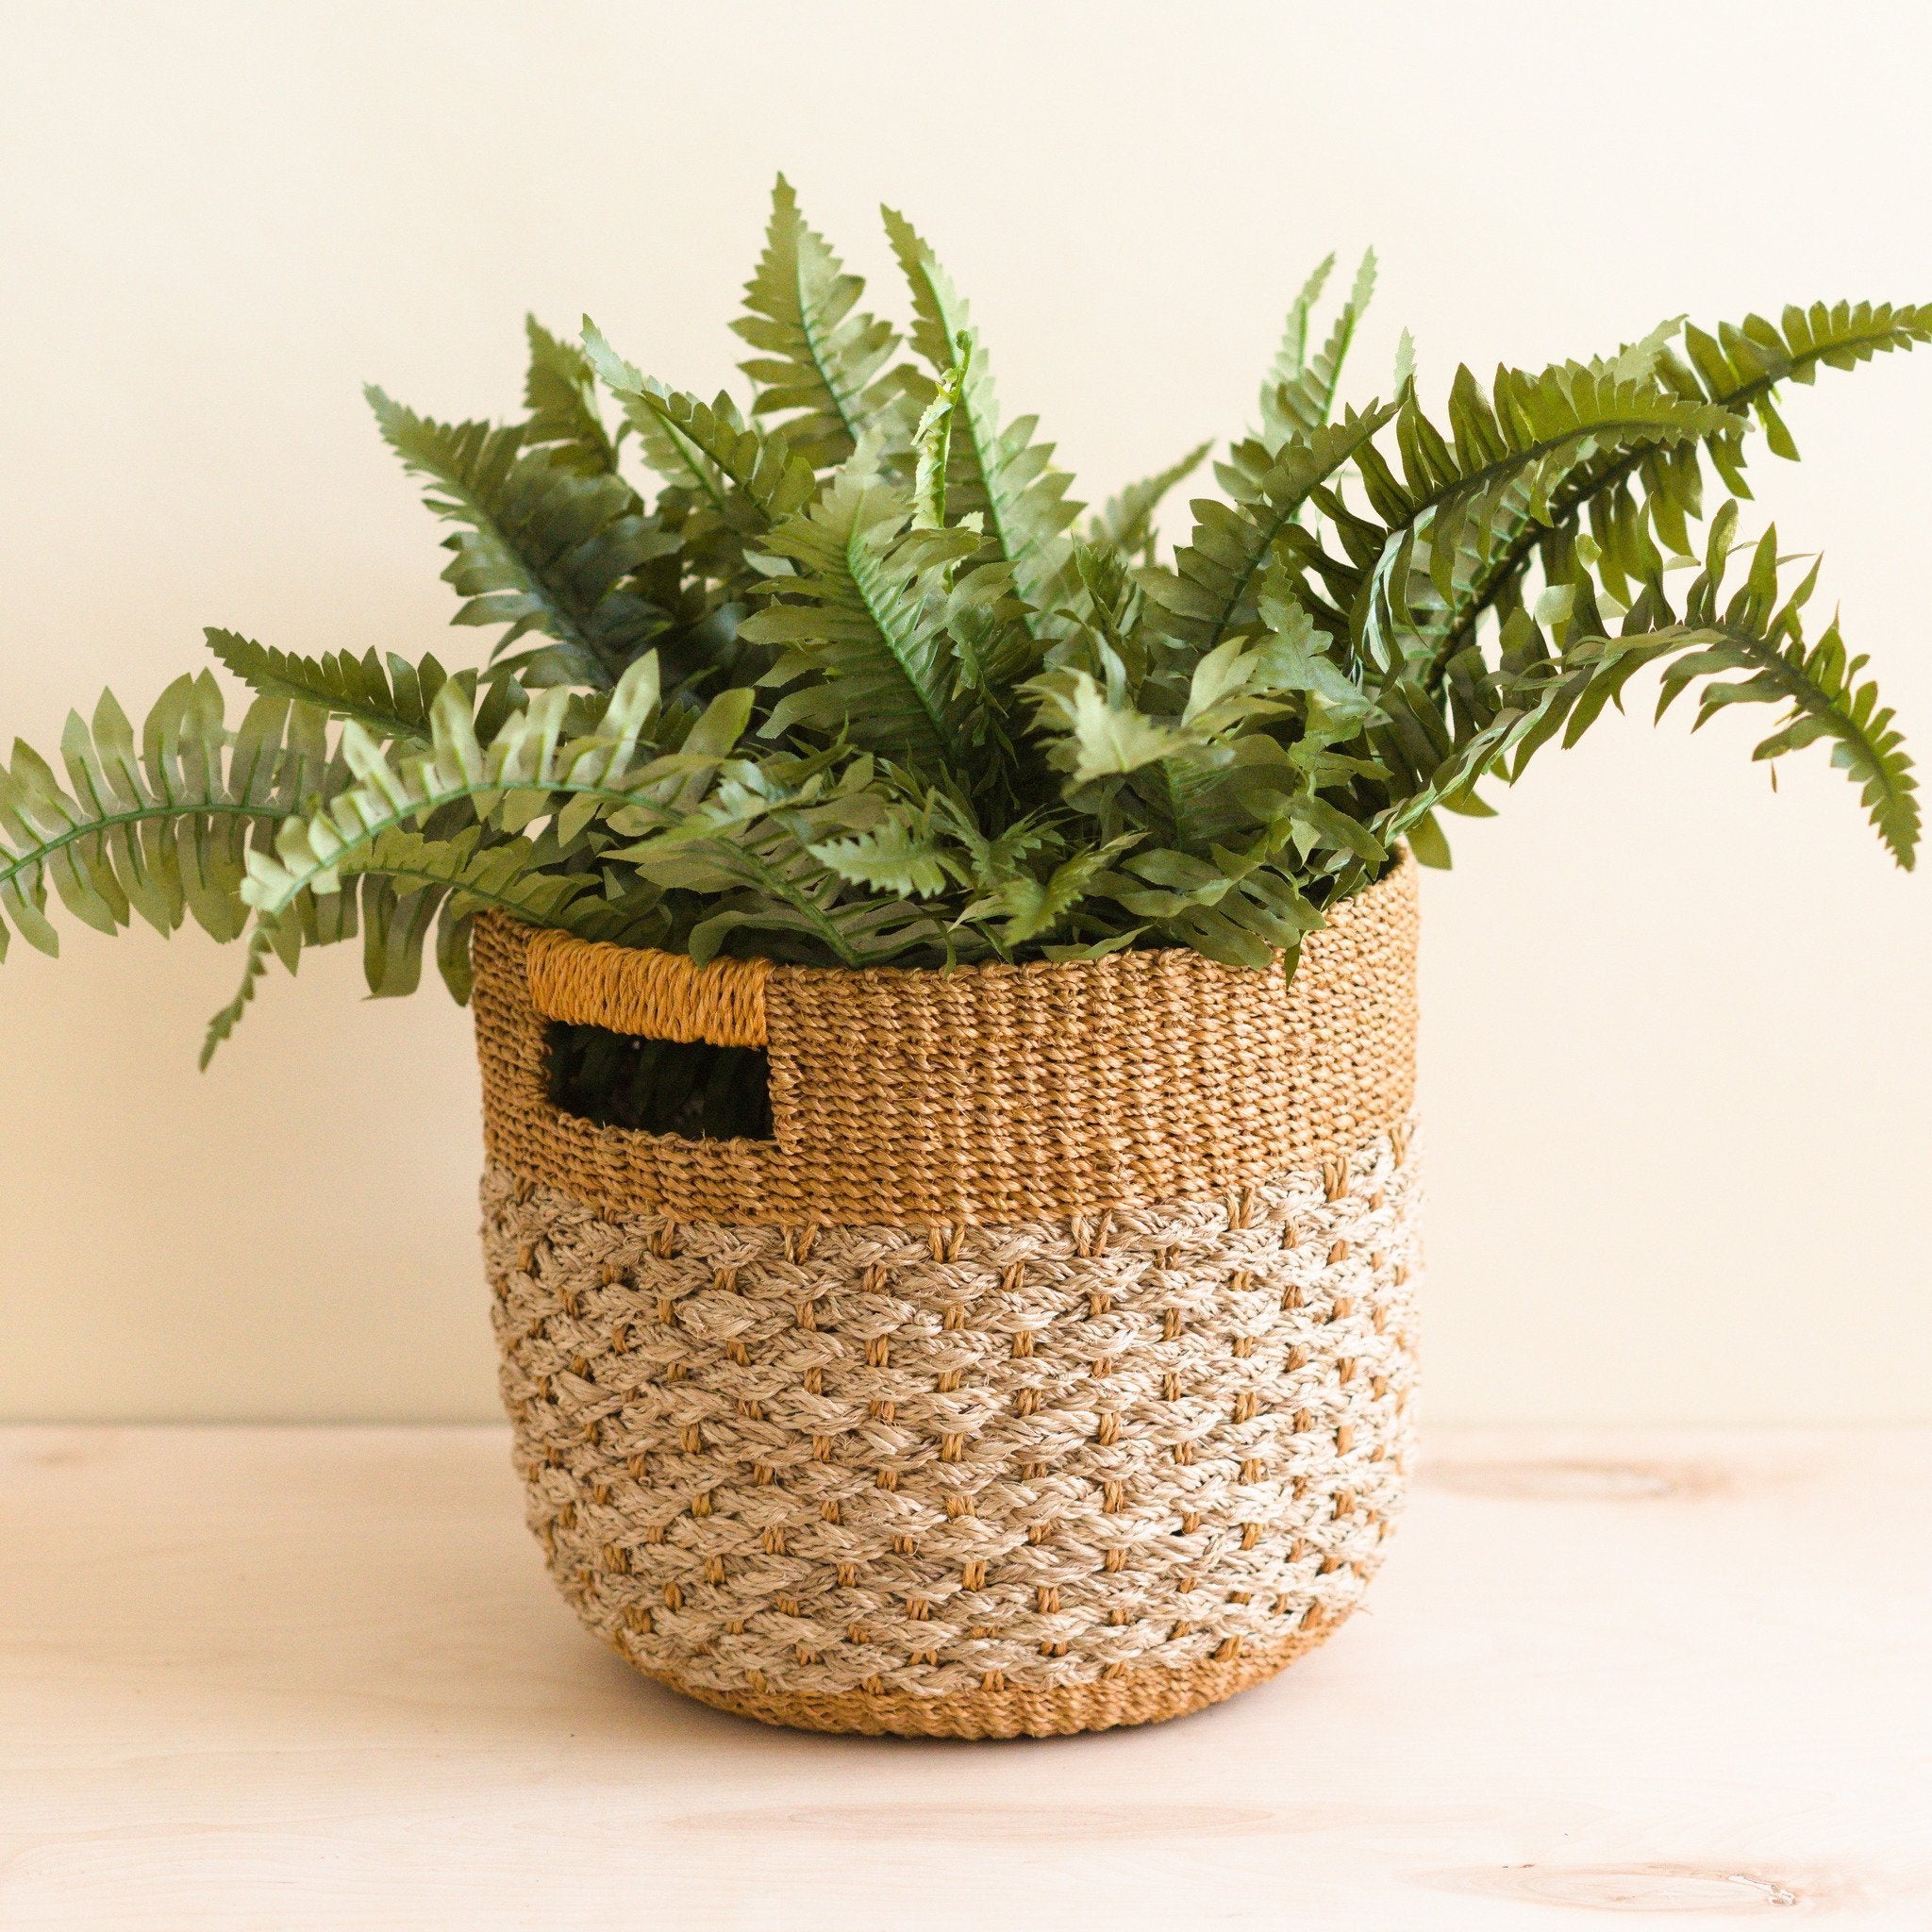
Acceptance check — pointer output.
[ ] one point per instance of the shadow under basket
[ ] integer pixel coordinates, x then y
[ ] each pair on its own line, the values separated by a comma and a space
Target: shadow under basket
1049, 1367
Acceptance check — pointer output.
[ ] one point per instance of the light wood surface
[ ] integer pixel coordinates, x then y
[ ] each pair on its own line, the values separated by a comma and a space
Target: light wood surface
316, 1678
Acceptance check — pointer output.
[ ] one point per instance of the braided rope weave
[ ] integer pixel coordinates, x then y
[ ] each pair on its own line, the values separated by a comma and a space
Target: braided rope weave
789, 1473
661, 995
976, 1476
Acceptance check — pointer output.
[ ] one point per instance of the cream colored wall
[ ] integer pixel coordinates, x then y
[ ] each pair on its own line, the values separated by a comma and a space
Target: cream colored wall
1677, 1032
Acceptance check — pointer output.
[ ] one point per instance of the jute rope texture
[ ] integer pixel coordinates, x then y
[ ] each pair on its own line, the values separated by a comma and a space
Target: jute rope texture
661, 995
1050, 1368
989, 1094
970, 1481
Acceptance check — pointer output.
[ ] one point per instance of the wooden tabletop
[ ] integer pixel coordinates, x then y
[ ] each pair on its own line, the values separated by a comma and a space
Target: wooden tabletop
316, 1678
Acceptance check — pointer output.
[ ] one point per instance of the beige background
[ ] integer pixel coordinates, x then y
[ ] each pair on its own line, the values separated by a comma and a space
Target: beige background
1677, 1033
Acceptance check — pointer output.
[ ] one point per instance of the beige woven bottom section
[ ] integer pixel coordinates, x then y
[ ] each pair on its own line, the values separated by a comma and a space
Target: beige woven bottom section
968, 1480
1136, 1697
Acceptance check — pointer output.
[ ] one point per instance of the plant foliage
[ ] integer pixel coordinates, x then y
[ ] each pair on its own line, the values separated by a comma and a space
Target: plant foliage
837, 672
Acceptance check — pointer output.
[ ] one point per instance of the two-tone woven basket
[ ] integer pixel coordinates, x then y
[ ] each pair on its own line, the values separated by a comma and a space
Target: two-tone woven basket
1049, 1369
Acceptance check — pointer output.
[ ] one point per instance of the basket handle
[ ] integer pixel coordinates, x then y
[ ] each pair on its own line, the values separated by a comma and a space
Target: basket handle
638, 989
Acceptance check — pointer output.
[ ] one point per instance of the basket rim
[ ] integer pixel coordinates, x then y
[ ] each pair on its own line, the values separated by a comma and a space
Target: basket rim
650, 992
1129, 957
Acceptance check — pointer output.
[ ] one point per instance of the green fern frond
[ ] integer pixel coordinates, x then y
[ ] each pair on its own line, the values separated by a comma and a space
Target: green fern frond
998, 471
560, 392
1742, 362
391, 700
161, 830
1212, 591
1525, 433
900, 856
531, 768
676, 459
749, 843
751, 477
1640, 503
932, 442
1758, 636
1560, 681
220, 1028
1291, 357
1738, 367
413, 885
620, 764
544, 548
1404, 362
1093, 736
863, 615
1031, 909
821, 356
1126, 521
1460, 498
1300, 393
1232, 904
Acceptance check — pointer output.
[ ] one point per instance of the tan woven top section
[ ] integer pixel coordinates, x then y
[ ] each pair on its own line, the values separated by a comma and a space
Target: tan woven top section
987, 1093
661, 995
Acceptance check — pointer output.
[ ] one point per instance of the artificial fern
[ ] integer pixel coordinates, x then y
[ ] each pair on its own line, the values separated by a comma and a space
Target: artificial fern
162, 829
1300, 391
390, 698
823, 356
1758, 634
999, 475
560, 392
863, 615
837, 673
544, 547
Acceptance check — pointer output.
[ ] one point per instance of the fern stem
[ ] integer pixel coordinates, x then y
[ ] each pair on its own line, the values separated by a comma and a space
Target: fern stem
860, 564
1807, 696
775, 881
840, 401
1252, 569
1565, 512
96, 827
502, 901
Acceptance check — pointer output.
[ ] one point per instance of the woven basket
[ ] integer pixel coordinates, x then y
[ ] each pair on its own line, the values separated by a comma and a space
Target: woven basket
1048, 1369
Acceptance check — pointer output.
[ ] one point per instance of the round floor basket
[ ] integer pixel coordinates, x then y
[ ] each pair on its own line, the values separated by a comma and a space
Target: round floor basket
1048, 1368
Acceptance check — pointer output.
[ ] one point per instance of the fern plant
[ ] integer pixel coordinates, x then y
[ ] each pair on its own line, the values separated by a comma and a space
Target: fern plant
839, 672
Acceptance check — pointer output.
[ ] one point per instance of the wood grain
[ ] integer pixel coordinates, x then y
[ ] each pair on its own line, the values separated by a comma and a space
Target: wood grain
315, 1678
